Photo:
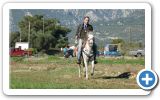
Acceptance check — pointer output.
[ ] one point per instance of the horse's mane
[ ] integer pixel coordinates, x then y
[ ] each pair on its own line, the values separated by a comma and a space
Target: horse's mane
90, 36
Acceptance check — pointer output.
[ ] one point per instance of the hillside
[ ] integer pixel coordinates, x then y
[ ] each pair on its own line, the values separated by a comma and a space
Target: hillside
108, 24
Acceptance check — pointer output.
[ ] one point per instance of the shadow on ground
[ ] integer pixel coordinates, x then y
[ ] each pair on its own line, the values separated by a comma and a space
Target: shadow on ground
123, 75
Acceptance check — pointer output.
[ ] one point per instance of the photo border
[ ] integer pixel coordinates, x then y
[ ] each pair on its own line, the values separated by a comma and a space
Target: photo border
6, 70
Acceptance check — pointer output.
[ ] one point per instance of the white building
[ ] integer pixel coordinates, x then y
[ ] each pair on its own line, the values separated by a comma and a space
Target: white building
23, 45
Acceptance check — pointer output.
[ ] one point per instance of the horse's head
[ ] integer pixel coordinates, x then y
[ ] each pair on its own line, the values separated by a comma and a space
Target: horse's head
90, 39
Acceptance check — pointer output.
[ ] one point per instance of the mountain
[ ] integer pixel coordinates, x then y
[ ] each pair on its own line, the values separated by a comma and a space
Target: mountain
127, 24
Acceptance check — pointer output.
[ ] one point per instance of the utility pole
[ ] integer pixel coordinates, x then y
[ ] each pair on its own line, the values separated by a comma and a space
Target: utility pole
29, 29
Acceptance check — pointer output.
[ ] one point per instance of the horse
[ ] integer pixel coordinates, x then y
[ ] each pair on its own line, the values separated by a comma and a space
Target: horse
87, 56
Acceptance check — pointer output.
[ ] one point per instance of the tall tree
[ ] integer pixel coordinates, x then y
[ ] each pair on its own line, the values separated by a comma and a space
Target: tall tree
42, 33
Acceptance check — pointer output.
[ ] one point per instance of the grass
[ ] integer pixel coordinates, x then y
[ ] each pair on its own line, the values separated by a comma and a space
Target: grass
121, 61
53, 72
37, 80
58, 60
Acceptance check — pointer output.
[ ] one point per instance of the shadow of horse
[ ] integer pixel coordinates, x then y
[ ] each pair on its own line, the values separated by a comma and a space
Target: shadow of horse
125, 75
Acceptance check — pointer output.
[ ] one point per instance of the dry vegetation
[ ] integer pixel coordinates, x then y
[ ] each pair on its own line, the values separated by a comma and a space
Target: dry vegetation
52, 72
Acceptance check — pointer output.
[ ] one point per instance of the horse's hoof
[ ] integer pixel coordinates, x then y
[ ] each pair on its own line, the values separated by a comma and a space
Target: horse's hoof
95, 62
78, 62
91, 74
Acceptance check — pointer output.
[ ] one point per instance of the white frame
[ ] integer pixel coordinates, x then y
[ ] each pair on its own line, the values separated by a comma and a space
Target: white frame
6, 56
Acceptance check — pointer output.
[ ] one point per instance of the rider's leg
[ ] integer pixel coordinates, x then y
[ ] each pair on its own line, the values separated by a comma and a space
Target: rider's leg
79, 51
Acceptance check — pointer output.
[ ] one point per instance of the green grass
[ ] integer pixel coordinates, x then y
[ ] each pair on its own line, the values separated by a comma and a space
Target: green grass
58, 60
53, 72
121, 61
16, 59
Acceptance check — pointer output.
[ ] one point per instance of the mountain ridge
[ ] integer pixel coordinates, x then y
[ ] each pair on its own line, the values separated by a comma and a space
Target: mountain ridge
107, 23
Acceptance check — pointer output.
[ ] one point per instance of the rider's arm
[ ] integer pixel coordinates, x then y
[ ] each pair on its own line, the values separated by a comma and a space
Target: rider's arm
77, 32
91, 28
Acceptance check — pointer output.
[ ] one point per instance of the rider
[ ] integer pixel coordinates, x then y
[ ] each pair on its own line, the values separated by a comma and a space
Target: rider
81, 36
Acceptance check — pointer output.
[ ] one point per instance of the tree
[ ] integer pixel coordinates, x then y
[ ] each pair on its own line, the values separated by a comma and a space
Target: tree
62, 42
14, 37
44, 33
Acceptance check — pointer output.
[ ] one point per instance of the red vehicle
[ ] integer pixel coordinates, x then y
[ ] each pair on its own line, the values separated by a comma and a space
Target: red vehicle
19, 52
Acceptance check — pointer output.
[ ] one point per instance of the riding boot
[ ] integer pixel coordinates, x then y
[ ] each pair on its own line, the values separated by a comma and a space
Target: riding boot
95, 61
78, 61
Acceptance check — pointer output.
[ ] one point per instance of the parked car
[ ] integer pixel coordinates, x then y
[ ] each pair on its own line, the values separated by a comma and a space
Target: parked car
137, 53
112, 50
19, 52
112, 53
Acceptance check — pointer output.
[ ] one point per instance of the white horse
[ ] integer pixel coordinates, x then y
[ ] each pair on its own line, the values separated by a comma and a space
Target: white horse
88, 56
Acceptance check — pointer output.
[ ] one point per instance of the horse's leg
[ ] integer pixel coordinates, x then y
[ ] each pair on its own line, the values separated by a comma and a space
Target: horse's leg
86, 67
83, 65
92, 69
